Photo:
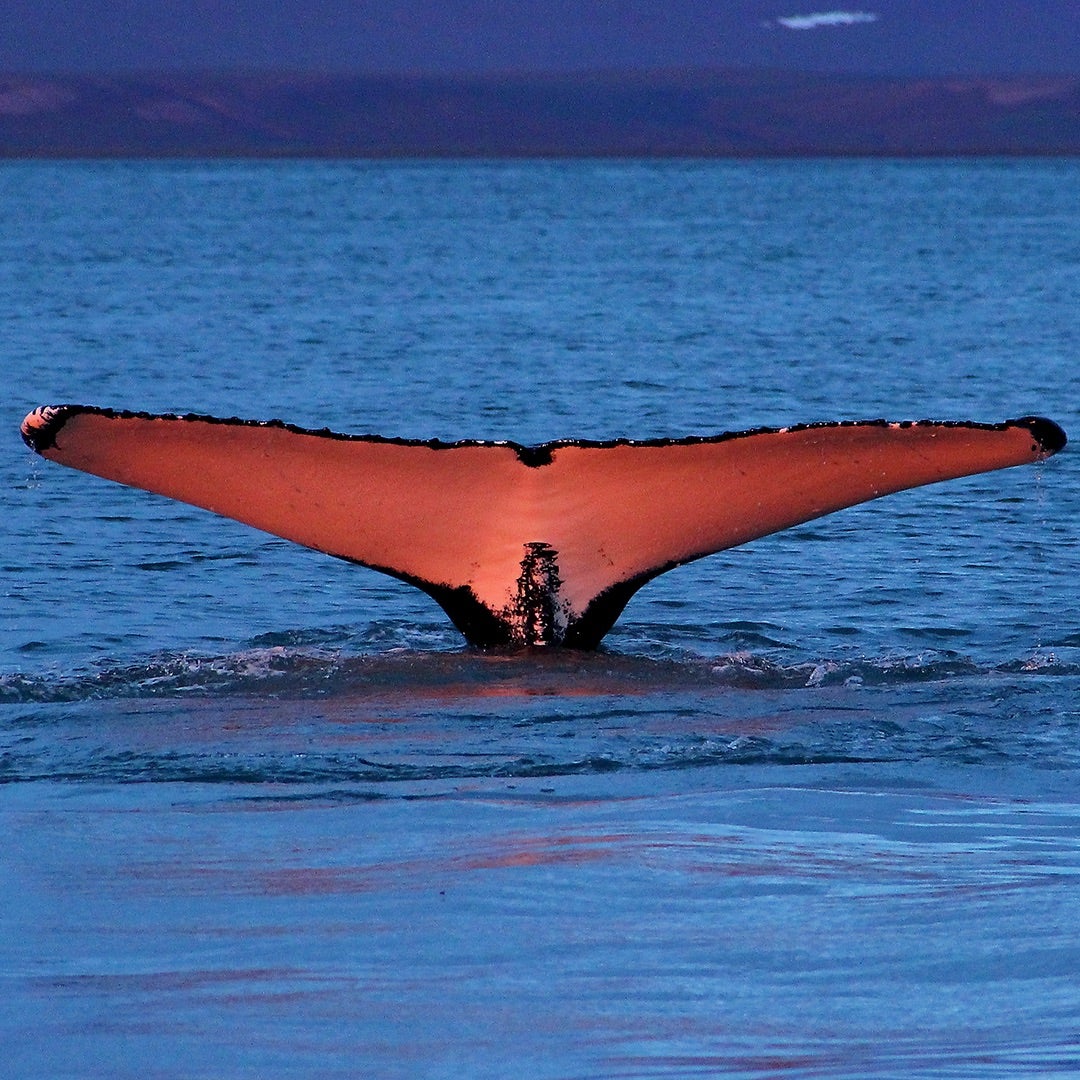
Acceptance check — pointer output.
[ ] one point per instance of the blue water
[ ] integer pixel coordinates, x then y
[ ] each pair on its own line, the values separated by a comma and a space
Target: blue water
813, 811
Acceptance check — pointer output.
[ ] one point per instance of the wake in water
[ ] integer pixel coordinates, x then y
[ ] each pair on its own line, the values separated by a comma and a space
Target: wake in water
292, 665
403, 711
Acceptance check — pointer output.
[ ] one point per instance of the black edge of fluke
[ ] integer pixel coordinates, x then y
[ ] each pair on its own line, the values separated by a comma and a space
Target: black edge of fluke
40, 428
1050, 436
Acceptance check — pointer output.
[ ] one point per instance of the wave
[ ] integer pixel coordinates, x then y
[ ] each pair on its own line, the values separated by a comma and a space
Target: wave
306, 721
297, 670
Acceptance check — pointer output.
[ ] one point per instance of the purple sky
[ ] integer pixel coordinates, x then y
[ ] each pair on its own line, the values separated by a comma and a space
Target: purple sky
905, 37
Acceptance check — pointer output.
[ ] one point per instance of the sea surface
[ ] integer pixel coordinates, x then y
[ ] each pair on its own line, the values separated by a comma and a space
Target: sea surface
812, 811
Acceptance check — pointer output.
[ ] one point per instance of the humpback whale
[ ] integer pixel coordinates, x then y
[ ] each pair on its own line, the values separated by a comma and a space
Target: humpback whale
525, 545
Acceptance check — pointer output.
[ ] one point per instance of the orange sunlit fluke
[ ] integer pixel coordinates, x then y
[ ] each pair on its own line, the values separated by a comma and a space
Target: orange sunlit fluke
539, 545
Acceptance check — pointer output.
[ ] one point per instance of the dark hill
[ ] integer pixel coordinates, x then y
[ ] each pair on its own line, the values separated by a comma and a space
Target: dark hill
657, 114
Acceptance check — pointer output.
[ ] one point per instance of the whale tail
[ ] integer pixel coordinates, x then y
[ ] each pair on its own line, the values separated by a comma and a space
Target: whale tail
524, 545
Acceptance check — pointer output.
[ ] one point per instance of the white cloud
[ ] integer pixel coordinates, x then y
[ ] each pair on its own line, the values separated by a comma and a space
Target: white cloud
825, 18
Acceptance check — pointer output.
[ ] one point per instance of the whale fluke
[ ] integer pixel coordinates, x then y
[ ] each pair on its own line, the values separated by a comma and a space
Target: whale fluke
540, 545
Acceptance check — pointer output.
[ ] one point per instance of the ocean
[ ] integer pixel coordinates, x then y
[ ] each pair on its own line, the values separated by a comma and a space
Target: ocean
813, 809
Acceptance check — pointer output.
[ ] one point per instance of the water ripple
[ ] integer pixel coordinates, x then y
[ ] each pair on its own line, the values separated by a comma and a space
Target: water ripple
302, 670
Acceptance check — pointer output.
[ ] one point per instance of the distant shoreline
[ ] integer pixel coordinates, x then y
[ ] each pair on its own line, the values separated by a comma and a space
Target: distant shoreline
671, 114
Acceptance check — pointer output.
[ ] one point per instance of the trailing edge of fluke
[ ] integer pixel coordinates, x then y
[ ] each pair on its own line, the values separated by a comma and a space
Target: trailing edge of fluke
523, 546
